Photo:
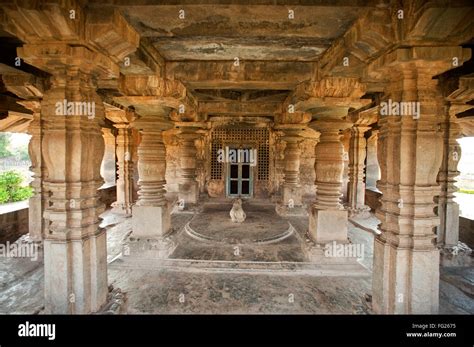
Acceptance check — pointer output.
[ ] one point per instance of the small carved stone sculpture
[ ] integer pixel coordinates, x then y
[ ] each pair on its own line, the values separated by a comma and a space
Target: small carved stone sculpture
237, 214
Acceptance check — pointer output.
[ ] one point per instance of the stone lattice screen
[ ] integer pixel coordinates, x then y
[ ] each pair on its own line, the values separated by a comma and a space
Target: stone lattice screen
257, 138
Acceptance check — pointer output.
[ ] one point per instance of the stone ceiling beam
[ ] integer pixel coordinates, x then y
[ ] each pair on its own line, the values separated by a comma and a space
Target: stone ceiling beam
435, 22
248, 75
239, 108
370, 35
66, 30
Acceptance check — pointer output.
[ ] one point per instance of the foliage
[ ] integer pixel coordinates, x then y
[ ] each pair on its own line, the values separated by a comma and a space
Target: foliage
11, 189
4, 145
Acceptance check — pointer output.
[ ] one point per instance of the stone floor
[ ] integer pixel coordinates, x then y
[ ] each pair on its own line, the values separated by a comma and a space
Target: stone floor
187, 285
264, 236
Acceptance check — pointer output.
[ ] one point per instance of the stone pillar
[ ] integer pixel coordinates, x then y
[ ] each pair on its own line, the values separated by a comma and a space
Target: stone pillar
357, 154
151, 220
188, 185
410, 147
107, 167
448, 209
372, 170
36, 202
75, 252
78, 54
328, 219
292, 195
124, 151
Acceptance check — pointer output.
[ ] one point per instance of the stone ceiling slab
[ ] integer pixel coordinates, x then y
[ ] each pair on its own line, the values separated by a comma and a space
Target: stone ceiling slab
257, 32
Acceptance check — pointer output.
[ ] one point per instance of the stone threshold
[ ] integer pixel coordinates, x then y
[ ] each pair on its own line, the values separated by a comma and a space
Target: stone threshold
244, 267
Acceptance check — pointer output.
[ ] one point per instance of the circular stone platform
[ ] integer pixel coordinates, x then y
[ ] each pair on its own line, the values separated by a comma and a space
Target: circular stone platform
262, 225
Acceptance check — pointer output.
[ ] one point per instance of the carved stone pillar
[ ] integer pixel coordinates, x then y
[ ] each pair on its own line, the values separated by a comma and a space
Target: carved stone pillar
188, 186
410, 148
124, 150
357, 154
150, 214
448, 209
107, 167
328, 219
75, 253
292, 195
372, 170
36, 223
77, 55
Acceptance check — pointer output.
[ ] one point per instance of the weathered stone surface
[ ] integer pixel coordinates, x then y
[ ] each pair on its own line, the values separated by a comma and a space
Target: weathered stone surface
299, 85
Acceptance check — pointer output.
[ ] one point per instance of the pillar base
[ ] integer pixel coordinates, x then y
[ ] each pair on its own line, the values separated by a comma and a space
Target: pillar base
285, 211
189, 192
292, 194
75, 275
328, 225
448, 230
360, 212
405, 281
121, 209
150, 221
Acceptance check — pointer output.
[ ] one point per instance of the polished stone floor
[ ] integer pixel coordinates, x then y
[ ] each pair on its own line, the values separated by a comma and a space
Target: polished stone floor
201, 277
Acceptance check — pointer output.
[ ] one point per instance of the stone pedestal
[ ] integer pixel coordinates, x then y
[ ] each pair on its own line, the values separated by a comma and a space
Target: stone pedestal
86, 290
328, 225
150, 221
407, 280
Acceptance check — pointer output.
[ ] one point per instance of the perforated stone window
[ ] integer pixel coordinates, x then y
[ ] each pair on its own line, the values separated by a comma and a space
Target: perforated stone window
257, 138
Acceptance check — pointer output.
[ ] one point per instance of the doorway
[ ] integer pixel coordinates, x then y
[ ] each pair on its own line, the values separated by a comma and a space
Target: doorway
239, 178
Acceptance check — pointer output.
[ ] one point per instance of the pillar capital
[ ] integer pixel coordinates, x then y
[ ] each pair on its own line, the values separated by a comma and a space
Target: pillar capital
61, 59
157, 122
327, 126
429, 61
328, 96
151, 95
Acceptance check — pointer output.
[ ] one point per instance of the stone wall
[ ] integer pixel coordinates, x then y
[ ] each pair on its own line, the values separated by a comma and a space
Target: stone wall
13, 225
466, 231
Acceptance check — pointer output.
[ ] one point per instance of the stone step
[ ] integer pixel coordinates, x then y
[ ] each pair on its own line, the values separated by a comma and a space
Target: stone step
353, 269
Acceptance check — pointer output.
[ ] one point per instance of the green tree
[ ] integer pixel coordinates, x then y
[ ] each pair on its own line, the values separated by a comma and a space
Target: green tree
11, 189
